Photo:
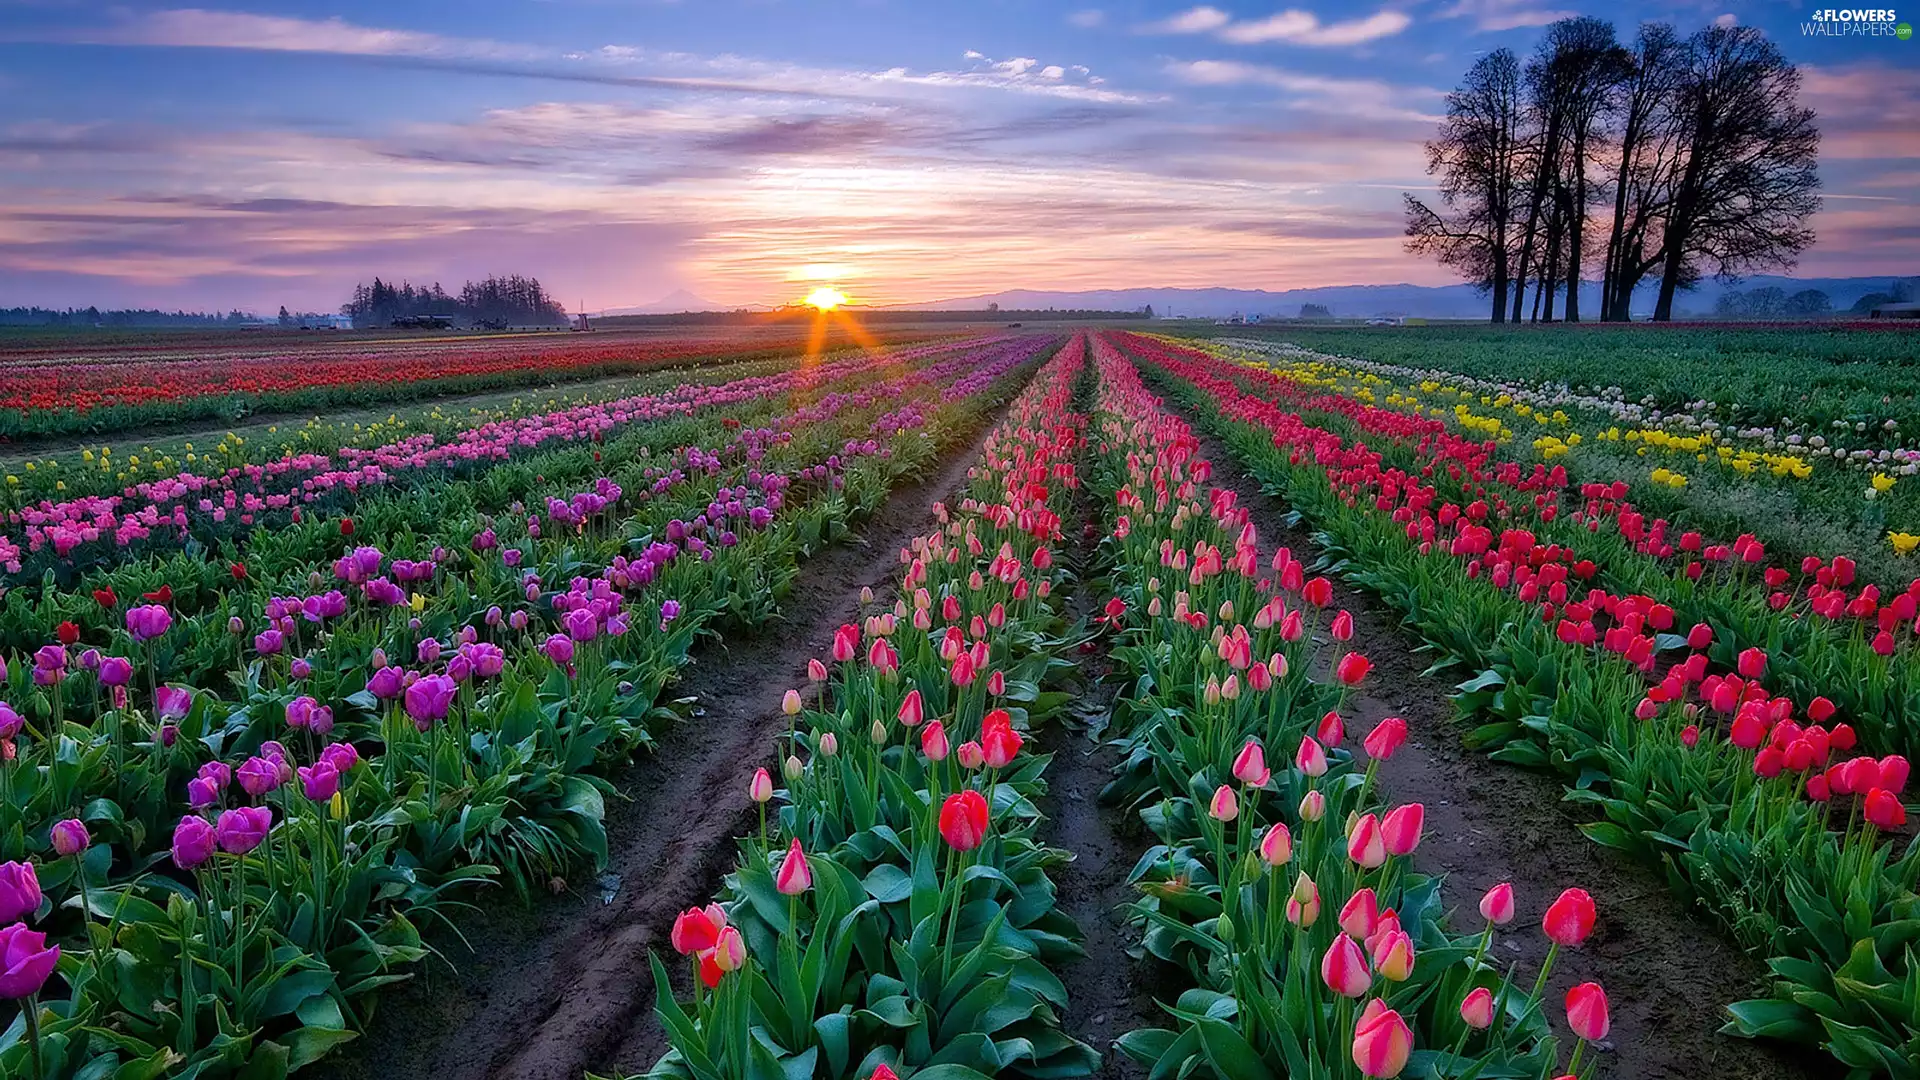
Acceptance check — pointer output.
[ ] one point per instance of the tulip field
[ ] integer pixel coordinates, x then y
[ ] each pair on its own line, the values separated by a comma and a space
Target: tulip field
278, 722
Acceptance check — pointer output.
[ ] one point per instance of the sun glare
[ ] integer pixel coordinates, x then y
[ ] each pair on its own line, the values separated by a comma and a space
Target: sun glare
826, 298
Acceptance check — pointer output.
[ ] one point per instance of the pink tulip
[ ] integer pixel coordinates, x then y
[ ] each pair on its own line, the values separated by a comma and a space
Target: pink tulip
912, 711
795, 876
1400, 829
1497, 906
1313, 806
1570, 918
1477, 1009
1224, 806
1303, 904
69, 837
193, 842
1276, 845
1587, 1012
970, 755
1332, 730
1382, 1042
1361, 912
1364, 845
1752, 663
1883, 809
730, 950
19, 891
1393, 955
933, 741
760, 788
1310, 758
1344, 968
1386, 738
1250, 766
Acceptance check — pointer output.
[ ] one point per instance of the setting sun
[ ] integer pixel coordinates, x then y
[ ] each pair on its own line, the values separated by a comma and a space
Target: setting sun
826, 298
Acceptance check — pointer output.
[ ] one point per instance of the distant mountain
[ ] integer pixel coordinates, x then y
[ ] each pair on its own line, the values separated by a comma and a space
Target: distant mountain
1361, 301
672, 304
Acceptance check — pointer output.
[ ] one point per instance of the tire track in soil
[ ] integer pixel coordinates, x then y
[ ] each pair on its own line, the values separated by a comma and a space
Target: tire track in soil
549, 992
1667, 972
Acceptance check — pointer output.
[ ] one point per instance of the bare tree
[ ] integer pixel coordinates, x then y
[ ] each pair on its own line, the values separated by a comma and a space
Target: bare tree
1643, 182
1751, 178
1475, 159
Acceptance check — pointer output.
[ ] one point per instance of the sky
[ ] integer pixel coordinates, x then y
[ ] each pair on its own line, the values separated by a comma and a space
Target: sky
745, 151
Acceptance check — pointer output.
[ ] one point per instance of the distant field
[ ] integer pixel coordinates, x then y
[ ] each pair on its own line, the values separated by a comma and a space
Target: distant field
112, 381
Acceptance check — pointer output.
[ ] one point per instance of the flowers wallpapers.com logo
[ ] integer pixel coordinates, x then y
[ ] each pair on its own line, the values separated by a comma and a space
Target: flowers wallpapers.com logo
1855, 22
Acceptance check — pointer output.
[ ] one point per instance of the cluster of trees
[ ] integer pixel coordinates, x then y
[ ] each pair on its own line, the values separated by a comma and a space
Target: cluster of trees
1902, 291
1773, 302
497, 301
93, 316
1698, 146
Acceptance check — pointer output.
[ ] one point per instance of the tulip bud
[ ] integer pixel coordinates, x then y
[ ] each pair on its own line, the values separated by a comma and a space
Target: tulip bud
1477, 1009
70, 837
1587, 1012
791, 768
1570, 918
1276, 846
1497, 905
760, 788
1344, 968
1224, 806
1313, 806
1364, 845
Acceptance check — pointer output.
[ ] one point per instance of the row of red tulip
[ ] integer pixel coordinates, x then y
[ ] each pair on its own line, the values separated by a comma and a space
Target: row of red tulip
1389, 946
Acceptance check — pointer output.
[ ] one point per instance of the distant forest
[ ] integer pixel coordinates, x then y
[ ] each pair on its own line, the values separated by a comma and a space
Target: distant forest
93, 316
498, 301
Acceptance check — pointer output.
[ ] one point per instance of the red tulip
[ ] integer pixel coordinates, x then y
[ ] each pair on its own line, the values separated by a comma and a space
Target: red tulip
1386, 738
963, 819
696, 930
1752, 663
1570, 918
67, 632
1883, 809
1351, 669
1819, 709
1893, 773
1587, 1012
105, 598
1344, 968
1699, 637
795, 876
1332, 730
346, 526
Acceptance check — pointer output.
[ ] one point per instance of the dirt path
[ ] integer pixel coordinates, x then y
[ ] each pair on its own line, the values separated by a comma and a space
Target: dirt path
1109, 992
1667, 971
547, 993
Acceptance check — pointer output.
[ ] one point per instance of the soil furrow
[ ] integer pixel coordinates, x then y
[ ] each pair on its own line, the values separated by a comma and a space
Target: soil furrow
549, 992
1667, 973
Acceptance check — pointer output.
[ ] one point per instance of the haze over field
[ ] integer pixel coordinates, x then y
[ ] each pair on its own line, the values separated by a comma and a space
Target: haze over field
741, 152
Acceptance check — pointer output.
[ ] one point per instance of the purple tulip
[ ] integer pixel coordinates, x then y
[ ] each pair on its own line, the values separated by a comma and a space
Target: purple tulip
518, 620
488, 660
259, 776
386, 683
669, 611
26, 961
172, 703
342, 756
559, 649
51, 658
283, 761
10, 721
169, 734
115, 671
216, 773
193, 841
235, 626
581, 625
302, 667
319, 781
19, 891
69, 837
428, 651
148, 621
268, 642
511, 556
90, 660
460, 669
202, 793
241, 830
321, 722
300, 712
494, 615
429, 698
617, 624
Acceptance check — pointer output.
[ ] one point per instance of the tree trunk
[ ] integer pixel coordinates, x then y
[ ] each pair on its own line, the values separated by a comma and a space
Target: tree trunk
1576, 221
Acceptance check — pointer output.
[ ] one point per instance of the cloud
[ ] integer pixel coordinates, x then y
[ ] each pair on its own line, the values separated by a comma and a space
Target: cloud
203, 29
1088, 18
1494, 15
1368, 98
1292, 26
1197, 20
1303, 28
1868, 111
